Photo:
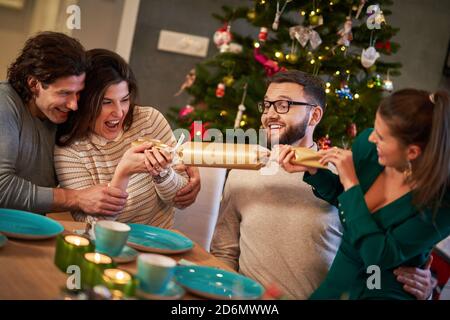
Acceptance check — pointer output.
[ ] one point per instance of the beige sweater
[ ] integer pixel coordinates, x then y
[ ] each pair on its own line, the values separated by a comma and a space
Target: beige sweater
273, 229
93, 161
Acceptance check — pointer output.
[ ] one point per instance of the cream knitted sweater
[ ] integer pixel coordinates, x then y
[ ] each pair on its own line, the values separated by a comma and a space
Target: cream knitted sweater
273, 229
93, 161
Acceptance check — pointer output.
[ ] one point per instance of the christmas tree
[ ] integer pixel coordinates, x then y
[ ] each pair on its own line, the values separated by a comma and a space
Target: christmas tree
339, 40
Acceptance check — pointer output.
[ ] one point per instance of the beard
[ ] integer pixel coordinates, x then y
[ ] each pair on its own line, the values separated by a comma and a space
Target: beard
292, 134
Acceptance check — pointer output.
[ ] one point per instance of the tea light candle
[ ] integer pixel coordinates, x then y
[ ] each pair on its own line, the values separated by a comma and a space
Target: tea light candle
120, 282
70, 249
92, 268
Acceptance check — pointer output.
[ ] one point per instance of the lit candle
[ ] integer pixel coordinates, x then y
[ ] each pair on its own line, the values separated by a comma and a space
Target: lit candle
97, 258
70, 249
92, 268
120, 282
77, 241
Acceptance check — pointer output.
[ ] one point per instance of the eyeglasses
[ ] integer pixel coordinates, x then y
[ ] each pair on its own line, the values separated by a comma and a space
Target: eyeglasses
280, 106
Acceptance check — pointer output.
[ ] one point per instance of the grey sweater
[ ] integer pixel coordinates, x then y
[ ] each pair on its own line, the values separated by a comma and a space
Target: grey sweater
27, 174
273, 229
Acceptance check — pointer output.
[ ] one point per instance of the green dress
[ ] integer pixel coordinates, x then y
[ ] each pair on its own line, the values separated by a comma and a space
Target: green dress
397, 234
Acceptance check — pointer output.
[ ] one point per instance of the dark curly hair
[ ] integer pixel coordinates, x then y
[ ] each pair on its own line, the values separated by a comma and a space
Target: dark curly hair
107, 68
47, 56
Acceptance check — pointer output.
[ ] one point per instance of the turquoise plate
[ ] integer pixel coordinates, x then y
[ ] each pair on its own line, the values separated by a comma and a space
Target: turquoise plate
172, 292
27, 225
152, 239
215, 283
3, 240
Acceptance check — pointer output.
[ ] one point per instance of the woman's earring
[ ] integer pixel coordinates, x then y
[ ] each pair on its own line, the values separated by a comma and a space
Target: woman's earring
408, 171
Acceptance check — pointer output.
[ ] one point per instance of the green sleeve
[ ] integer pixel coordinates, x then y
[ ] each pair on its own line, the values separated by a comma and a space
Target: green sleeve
389, 248
325, 184
341, 275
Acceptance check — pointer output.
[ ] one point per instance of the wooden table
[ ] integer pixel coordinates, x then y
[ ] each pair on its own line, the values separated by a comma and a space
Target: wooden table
27, 270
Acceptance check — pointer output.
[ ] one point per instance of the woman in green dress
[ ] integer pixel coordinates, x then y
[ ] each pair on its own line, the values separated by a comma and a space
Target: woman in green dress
392, 192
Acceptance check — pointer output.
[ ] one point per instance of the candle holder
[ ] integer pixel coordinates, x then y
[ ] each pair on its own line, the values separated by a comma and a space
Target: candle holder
120, 282
70, 250
92, 267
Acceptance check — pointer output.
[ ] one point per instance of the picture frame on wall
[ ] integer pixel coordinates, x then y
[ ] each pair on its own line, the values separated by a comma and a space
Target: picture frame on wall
13, 4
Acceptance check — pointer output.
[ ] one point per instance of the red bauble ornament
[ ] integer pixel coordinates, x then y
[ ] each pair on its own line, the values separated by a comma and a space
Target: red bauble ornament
220, 90
352, 131
186, 111
324, 143
383, 45
263, 32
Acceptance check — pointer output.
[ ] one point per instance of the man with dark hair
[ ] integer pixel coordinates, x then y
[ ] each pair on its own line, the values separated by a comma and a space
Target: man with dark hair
292, 128
271, 227
43, 87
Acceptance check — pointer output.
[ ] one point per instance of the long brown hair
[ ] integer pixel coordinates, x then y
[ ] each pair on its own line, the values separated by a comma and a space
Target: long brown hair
421, 118
47, 56
106, 68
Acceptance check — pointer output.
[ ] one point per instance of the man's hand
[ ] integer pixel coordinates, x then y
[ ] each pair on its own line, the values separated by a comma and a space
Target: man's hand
186, 196
417, 281
100, 199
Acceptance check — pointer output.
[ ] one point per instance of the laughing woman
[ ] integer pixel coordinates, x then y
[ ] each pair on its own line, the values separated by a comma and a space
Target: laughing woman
94, 145
392, 192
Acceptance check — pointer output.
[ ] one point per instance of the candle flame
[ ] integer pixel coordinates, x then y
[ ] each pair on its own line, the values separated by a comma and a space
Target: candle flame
76, 240
116, 276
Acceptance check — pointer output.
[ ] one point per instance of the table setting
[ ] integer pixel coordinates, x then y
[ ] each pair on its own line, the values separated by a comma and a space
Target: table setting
41, 258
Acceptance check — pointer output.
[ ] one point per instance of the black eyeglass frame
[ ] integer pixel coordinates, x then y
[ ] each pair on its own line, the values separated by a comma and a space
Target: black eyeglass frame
262, 108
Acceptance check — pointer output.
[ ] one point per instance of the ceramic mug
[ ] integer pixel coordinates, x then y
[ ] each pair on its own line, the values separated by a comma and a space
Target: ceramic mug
110, 237
155, 272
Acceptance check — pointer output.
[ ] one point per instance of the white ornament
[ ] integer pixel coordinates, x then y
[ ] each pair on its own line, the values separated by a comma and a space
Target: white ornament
388, 85
369, 56
241, 109
305, 34
276, 21
345, 33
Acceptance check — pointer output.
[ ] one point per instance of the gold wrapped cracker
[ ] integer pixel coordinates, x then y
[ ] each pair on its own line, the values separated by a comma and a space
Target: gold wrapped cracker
307, 157
156, 143
223, 155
